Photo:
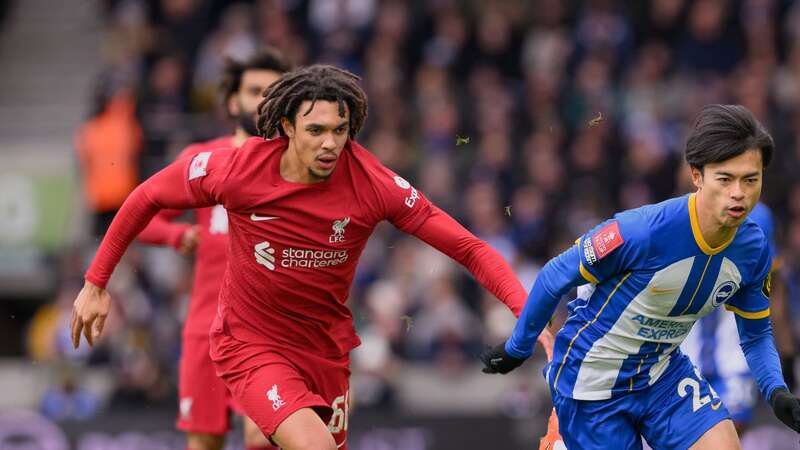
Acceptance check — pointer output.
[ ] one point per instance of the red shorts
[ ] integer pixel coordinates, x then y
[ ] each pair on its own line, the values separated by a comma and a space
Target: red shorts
203, 399
271, 382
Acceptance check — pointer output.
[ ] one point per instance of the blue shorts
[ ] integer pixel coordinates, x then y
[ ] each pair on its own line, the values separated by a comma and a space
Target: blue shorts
740, 395
673, 413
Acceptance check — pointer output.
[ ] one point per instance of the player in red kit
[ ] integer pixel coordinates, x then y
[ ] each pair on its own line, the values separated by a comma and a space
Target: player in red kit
300, 208
204, 401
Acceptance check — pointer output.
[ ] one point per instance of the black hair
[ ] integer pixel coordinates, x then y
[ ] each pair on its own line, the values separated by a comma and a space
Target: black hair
266, 59
721, 132
312, 83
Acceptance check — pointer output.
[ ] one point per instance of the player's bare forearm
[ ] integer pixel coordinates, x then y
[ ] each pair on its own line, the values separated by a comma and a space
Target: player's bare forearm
445, 234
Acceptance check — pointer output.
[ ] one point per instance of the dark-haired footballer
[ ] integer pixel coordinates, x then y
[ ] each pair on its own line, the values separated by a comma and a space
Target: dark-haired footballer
204, 403
300, 208
617, 372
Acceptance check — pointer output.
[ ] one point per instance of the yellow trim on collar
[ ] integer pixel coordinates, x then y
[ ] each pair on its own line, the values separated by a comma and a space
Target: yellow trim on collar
748, 315
698, 236
587, 275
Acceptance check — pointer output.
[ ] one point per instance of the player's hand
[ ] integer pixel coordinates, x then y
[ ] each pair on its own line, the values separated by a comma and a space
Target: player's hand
546, 340
786, 407
89, 313
496, 360
189, 240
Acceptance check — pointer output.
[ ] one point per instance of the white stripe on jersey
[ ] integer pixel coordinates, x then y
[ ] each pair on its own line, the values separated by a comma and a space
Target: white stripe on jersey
647, 312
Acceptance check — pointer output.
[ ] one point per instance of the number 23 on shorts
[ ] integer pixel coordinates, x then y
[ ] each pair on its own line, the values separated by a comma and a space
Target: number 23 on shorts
690, 384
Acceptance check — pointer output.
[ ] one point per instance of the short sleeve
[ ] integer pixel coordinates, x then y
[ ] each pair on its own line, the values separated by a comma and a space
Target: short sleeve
206, 174
752, 301
615, 246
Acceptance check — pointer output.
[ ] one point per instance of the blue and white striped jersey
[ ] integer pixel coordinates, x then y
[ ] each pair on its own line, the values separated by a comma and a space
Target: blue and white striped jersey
652, 276
713, 343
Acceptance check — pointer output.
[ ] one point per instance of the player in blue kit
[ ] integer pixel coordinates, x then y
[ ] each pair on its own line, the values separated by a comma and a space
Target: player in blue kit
713, 345
617, 373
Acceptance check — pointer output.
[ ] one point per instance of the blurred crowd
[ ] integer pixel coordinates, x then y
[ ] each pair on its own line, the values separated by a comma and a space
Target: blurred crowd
529, 121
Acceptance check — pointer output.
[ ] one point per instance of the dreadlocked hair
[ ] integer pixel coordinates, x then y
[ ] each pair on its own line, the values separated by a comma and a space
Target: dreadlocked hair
312, 83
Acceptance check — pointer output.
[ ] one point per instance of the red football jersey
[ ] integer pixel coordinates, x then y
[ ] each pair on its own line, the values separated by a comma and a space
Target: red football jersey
211, 254
294, 247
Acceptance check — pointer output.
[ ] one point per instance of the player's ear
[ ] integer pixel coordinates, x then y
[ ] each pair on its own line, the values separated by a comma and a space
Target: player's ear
288, 127
697, 177
233, 106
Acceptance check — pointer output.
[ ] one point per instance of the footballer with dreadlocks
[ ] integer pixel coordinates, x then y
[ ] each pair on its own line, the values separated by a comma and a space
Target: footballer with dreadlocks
204, 402
300, 208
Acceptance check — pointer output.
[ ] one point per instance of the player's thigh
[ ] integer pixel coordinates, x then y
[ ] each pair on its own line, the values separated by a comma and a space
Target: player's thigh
204, 441
265, 385
721, 436
253, 437
681, 408
303, 430
203, 398
330, 378
272, 392
596, 425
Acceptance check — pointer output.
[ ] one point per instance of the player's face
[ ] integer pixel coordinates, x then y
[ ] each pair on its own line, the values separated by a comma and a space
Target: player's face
244, 103
731, 188
318, 137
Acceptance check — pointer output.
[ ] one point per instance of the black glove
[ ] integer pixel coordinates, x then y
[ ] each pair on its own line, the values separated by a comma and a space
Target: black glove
786, 407
497, 360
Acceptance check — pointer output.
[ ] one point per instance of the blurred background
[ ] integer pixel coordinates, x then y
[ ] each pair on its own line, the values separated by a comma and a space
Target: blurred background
529, 121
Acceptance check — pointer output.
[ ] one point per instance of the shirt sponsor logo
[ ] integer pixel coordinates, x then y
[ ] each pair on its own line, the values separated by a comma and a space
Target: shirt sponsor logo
298, 257
275, 398
338, 231
723, 293
588, 252
607, 239
411, 199
403, 184
265, 255
659, 329
197, 168
312, 259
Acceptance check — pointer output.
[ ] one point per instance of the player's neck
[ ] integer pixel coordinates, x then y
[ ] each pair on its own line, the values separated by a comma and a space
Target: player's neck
292, 168
239, 136
713, 231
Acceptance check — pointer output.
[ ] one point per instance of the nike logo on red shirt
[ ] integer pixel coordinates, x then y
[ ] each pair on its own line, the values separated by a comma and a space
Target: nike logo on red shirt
256, 218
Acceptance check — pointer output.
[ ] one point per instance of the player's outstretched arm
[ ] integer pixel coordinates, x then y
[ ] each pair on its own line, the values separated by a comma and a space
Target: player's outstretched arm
556, 278
166, 189
445, 234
